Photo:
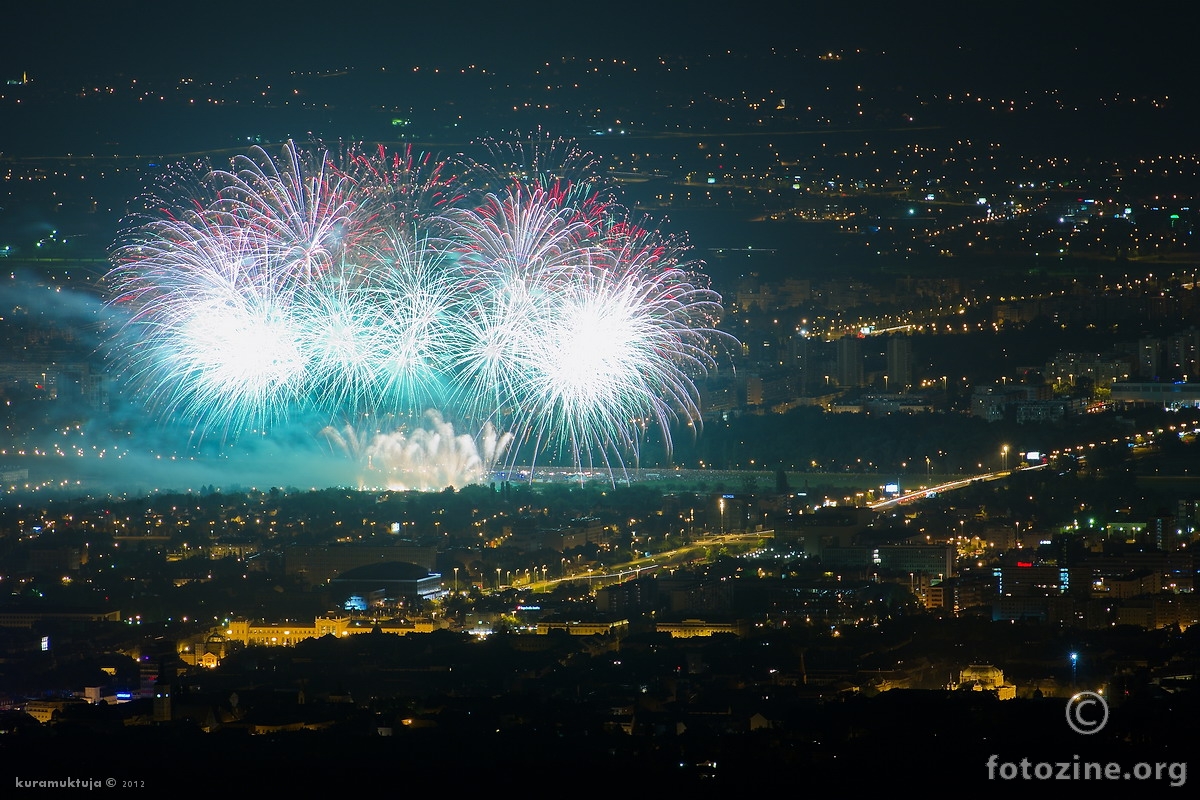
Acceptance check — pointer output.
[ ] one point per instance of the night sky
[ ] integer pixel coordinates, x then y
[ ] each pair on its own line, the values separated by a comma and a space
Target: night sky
1026, 43
1085, 53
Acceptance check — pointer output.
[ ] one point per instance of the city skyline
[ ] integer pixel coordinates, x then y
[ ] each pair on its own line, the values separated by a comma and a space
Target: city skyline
939, 486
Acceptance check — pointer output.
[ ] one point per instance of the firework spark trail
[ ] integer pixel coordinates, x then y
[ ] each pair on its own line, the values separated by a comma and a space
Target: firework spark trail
515, 252
380, 284
427, 456
302, 213
377, 337
214, 332
616, 353
404, 191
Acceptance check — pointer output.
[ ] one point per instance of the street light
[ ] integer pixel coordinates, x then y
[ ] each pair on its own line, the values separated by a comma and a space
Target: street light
1004, 452
1074, 665
456, 580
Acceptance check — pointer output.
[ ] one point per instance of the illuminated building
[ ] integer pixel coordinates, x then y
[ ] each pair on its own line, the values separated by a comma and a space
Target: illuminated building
690, 628
985, 678
319, 564
578, 628
253, 632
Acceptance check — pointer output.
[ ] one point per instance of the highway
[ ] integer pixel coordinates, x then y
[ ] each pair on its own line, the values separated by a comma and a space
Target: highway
617, 573
930, 491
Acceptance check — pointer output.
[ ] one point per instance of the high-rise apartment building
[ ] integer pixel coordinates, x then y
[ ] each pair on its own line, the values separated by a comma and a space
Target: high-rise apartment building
899, 364
849, 361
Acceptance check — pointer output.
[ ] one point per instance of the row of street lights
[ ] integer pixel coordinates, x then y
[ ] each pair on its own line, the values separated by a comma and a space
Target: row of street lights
530, 574
1003, 455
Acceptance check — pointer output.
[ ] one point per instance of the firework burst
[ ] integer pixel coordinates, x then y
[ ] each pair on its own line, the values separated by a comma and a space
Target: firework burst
517, 296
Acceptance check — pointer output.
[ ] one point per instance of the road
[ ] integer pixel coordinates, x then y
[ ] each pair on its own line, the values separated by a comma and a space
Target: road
617, 573
930, 491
